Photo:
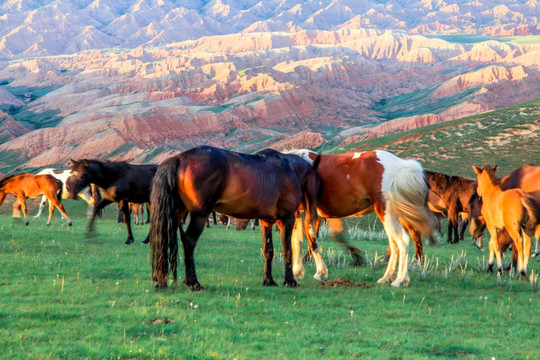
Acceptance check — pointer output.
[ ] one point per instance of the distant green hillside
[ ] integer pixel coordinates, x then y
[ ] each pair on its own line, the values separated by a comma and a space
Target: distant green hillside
509, 137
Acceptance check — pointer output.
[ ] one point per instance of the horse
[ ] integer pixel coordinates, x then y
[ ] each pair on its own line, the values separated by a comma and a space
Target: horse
455, 192
25, 186
241, 224
356, 184
118, 182
263, 186
138, 212
527, 178
62, 175
512, 209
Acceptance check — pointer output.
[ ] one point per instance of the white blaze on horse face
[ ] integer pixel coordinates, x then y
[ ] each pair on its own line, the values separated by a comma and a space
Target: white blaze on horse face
357, 155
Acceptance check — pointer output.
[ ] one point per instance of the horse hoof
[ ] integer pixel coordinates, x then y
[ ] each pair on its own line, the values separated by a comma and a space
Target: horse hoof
535, 254
145, 242
489, 268
196, 287
129, 241
69, 223
320, 277
161, 286
291, 283
269, 282
524, 275
385, 280
299, 276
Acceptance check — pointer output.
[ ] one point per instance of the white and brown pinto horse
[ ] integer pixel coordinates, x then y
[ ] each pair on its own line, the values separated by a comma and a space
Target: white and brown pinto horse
63, 175
356, 184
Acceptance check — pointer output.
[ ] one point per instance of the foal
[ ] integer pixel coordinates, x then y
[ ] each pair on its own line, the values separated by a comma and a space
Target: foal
514, 210
25, 186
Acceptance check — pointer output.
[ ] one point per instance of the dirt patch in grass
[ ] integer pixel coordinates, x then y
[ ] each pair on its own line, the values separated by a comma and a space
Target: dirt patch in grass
343, 283
161, 321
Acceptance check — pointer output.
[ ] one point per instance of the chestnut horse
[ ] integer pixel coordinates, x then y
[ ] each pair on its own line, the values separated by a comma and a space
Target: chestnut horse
264, 186
356, 184
455, 192
25, 186
527, 178
512, 209
118, 182
62, 175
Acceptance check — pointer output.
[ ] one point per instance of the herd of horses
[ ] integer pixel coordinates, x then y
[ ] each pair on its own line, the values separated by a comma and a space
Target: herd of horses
296, 191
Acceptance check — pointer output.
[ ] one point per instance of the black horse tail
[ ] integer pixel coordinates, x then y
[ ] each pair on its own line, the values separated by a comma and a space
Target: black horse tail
164, 221
60, 189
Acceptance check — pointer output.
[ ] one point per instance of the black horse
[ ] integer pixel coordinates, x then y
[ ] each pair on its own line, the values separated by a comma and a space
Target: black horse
263, 186
118, 182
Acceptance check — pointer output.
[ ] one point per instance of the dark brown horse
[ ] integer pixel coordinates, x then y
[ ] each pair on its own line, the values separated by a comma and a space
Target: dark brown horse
263, 186
118, 181
25, 186
356, 184
455, 192
527, 177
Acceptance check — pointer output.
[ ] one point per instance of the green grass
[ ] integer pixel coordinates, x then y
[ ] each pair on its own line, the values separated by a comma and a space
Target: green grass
67, 296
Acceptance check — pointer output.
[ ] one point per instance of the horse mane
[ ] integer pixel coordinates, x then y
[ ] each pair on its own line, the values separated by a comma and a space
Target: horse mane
4, 180
490, 170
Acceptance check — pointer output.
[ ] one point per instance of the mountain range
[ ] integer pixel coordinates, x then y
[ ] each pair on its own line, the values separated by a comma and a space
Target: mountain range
142, 80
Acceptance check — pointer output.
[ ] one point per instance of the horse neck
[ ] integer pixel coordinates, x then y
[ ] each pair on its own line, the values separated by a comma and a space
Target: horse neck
490, 188
105, 177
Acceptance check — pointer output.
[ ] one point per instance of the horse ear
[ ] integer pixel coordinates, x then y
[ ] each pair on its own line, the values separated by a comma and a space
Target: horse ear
476, 170
495, 167
73, 162
85, 163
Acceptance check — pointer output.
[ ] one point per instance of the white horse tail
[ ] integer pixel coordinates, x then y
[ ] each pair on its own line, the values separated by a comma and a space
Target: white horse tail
406, 193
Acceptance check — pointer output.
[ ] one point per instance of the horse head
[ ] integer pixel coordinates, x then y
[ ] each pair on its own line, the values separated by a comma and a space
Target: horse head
487, 178
80, 178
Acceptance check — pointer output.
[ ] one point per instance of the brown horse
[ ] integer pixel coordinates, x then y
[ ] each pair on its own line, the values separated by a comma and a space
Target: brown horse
527, 178
512, 209
264, 186
118, 182
25, 186
356, 184
455, 192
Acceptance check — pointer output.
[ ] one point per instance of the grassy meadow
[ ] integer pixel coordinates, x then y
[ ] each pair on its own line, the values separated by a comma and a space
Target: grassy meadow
68, 296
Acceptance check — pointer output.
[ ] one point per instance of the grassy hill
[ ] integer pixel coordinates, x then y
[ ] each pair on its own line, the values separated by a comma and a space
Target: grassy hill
508, 137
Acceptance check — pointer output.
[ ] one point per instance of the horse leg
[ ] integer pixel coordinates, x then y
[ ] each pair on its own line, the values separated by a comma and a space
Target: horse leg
55, 202
537, 247
189, 240
453, 221
127, 221
399, 244
41, 206
336, 230
464, 222
388, 276
214, 216
268, 252
22, 200
16, 209
417, 239
313, 244
517, 244
286, 227
229, 222
296, 238
494, 250
96, 210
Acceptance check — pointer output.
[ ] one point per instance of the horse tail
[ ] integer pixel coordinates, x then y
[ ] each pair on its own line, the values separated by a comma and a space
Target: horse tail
407, 195
164, 221
60, 189
531, 217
